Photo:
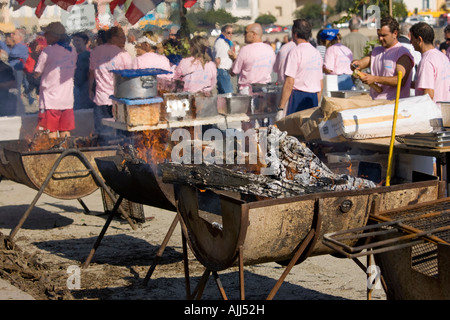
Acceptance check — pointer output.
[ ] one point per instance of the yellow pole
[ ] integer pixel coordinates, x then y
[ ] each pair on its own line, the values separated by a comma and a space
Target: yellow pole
394, 123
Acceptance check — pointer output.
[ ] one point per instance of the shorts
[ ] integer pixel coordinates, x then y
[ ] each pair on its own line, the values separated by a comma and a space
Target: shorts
56, 120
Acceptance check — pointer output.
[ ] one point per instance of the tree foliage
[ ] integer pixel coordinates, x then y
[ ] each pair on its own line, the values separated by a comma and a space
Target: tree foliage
355, 7
266, 19
201, 19
313, 13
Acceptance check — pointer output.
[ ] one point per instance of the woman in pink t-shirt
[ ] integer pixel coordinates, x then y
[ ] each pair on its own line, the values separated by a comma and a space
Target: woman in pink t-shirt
146, 56
337, 60
198, 71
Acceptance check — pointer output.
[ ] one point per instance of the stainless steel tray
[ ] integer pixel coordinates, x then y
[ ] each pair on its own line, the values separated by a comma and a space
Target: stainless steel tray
436, 139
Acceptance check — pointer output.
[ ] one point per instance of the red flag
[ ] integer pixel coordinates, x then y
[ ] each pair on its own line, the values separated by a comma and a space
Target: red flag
114, 3
136, 9
189, 3
65, 4
40, 8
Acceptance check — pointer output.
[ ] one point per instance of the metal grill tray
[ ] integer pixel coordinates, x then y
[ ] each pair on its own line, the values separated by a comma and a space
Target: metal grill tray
438, 139
423, 223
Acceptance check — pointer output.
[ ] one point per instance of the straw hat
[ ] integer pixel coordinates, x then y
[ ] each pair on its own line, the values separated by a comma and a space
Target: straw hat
7, 27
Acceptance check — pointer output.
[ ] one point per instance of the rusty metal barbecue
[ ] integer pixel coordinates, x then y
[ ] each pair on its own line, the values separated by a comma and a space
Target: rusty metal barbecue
77, 177
225, 231
411, 246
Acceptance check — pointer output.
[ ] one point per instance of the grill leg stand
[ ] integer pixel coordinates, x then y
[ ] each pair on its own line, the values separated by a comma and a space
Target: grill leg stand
198, 292
38, 195
161, 249
219, 286
310, 240
102, 233
186, 265
241, 274
291, 264
86, 209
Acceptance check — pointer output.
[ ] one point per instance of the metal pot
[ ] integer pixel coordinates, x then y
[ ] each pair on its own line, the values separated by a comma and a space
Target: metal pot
136, 84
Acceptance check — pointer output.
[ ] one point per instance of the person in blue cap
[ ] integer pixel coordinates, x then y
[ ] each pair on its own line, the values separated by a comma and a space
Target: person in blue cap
337, 59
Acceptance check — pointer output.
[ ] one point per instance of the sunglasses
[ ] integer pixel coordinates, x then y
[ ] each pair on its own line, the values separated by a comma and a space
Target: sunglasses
447, 39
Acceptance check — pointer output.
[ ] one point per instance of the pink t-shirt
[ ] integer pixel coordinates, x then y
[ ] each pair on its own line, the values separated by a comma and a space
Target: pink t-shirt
254, 64
153, 60
104, 58
383, 63
338, 59
280, 61
304, 64
57, 67
195, 77
433, 72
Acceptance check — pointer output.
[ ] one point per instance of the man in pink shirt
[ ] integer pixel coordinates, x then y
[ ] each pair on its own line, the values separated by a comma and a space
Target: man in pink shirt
433, 72
386, 61
104, 58
56, 67
255, 61
280, 60
304, 78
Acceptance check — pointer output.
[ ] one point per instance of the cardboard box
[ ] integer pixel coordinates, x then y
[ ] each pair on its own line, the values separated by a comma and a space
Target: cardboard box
414, 115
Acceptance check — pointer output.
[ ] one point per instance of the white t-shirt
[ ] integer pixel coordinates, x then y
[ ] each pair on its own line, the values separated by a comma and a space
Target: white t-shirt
221, 49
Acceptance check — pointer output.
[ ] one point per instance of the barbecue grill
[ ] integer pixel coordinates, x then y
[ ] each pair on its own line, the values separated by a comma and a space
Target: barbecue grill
410, 245
72, 180
60, 173
139, 182
225, 231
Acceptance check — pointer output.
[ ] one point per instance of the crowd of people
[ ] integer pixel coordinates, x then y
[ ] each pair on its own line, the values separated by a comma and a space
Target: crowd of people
62, 73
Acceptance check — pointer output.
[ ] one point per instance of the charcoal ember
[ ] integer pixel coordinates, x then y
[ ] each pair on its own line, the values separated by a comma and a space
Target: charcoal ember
291, 169
287, 154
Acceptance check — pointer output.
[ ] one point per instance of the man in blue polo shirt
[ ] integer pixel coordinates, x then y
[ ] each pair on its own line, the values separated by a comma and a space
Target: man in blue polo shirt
17, 52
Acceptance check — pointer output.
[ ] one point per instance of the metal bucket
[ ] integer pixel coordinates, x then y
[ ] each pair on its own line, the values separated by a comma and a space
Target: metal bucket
222, 228
136, 87
232, 103
136, 84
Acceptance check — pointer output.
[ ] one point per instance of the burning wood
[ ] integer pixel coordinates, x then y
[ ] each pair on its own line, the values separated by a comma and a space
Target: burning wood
292, 169
41, 142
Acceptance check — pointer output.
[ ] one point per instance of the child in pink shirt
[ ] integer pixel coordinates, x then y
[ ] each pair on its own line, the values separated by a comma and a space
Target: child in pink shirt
56, 67
198, 72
